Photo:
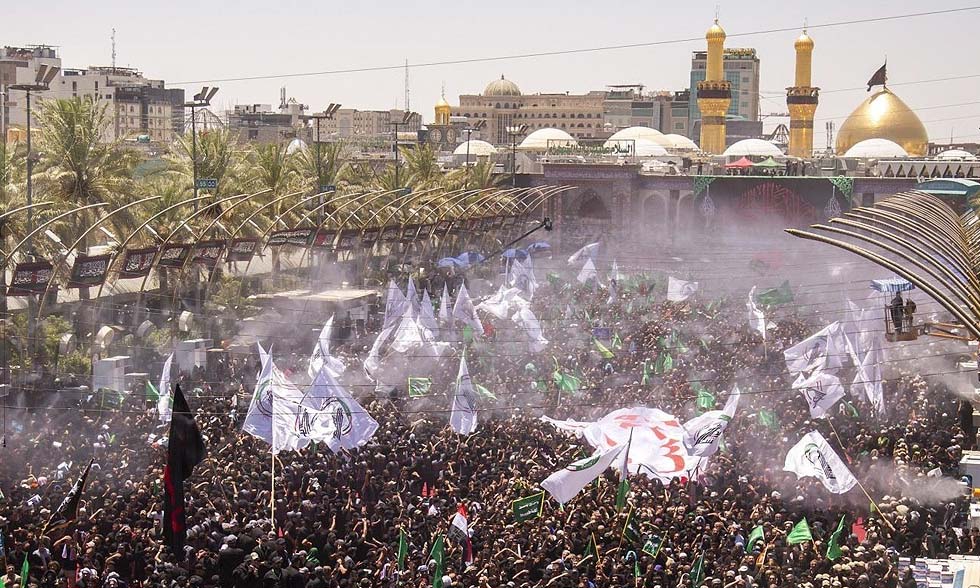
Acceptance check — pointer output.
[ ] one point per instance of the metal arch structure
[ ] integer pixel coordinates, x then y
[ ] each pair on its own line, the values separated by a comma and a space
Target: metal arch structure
920, 238
74, 245
51, 221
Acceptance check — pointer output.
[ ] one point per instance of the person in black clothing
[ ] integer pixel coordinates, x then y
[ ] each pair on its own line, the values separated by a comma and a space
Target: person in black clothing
897, 311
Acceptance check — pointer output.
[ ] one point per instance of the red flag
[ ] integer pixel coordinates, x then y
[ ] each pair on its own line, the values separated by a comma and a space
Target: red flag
857, 529
185, 449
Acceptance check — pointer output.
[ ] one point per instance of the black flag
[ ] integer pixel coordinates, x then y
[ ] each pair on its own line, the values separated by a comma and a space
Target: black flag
880, 77
185, 449
67, 511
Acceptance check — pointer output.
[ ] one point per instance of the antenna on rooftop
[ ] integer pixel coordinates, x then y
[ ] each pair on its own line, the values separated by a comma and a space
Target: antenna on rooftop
113, 49
408, 104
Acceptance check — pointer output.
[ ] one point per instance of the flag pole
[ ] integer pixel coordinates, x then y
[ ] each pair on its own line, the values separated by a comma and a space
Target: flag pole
860, 485
272, 495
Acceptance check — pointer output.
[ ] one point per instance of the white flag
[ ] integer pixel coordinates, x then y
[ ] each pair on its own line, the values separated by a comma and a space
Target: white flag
564, 484
820, 351
679, 290
813, 457
857, 322
427, 314
524, 317
165, 402
395, 305
445, 308
259, 420
868, 376
821, 392
522, 276
465, 312
292, 420
588, 272
321, 357
412, 295
463, 416
341, 423
588, 251
703, 433
757, 320
500, 304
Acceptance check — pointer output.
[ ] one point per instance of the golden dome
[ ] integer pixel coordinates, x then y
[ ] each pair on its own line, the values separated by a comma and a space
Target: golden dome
442, 103
803, 42
884, 116
715, 33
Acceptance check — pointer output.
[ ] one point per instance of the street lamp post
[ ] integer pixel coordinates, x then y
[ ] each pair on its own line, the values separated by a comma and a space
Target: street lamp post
405, 120
201, 100
327, 114
469, 132
514, 132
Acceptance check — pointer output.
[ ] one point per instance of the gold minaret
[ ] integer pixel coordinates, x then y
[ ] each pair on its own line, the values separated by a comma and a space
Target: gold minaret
714, 93
802, 101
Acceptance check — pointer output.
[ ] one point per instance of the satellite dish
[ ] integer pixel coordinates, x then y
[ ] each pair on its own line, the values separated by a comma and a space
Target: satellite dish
144, 330
184, 321
67, 344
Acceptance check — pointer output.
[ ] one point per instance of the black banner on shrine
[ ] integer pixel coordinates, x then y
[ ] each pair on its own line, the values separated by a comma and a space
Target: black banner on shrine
207, 253
89, 270
295, 237
242, 249
137, 263
30, 278
174, 255
324, 239
347, 241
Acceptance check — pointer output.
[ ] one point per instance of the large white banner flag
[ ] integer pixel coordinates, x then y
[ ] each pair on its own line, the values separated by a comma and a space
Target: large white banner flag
679, 290
341, 422
820, 351
868, 376
588, 251
427, 314
536, 343
813, 457
463, 416
395, 305
657, 449
757, 320
500, 304
521, 276
857, 326
445, 308
258, 421
564, 484
412, 295
321, 357
464, 311
165, 402
588, 272
702, 434
821, 391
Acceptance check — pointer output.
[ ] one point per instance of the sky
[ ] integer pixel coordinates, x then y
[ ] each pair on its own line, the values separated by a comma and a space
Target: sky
188, 43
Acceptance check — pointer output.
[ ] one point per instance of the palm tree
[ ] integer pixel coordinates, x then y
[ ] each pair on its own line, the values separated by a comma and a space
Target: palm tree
272, 167
474, 177
80, 167
421, 168
323, 170
218, 157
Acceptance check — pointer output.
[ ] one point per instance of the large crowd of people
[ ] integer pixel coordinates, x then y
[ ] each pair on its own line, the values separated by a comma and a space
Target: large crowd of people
338, 517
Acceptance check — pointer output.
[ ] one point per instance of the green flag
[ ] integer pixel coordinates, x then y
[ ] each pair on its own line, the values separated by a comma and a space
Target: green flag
616, 343
833, 548
756, 535
25, 573
592, 549
646, 373
566, 382
705, 400
800, 533
652, 546
664, 364
852, 411
418, 387
528, 508
767, 419
484, 392
697, 572
152, 394
603, 350
402, 548
467, 334
438, 555
631, 530
636, 567
775, 296
621, 492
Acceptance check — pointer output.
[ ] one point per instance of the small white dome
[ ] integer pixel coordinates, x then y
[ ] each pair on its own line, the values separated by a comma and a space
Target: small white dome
477, 148
680, 142
644, 147
876, 149
538, 140
753, 148
296, 145
957, 154
637, 133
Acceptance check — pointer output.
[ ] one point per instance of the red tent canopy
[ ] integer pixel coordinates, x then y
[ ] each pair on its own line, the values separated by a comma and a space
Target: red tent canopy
741, 163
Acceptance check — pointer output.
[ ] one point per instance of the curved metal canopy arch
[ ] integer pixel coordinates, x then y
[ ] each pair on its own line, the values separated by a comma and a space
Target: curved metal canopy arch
74, 245
936, 250
18, 210
51, 221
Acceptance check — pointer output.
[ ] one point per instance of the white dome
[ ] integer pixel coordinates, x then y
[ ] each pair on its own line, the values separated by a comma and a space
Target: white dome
477, 148
296, 145
957, 154
876, 149
637, 133
538, 140
680, 142
644, 147
753, 148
